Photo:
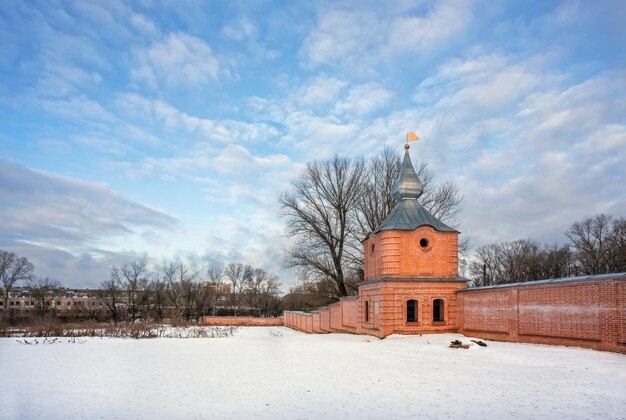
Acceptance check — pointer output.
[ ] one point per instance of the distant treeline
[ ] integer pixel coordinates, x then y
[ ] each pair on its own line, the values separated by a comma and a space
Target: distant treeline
134, 292
595, 245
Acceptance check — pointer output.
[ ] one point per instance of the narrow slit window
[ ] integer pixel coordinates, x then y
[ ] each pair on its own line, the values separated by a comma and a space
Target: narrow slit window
367, 311
438, 310
411, 311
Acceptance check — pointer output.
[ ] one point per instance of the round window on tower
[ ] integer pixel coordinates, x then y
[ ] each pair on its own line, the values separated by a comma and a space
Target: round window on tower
425, 243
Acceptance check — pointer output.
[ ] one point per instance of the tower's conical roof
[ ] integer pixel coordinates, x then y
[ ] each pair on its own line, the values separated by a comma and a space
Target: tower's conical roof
408, 185
408, 214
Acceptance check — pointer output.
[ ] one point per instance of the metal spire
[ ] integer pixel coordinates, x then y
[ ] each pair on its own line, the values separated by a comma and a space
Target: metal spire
408, 186
408, 214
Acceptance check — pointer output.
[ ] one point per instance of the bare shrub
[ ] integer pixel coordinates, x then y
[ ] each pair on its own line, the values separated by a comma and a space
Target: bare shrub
136, 330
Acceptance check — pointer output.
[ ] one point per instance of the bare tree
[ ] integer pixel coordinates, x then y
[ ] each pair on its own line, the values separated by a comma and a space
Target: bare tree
158, 297
309, 295
110, 294
465, 247
145, 299
318, 209
13, 269
443, 201
239, 275
618, 245
262, 291
182, 287
557, 261
520, 261
593, 244
215, 275
376, 200
597, 246
43, 291
484, 269
204, 299
132, 278
270, 303
255, 287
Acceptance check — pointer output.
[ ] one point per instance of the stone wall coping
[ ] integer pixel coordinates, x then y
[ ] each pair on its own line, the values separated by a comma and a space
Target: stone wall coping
349, 297
591, 278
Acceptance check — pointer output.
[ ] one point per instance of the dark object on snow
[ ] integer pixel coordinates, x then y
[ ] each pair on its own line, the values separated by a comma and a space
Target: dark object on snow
480, 343
457, 344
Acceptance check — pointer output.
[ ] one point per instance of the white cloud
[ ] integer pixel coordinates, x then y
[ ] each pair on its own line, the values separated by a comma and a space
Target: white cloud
318, 137
47, 208
79, 108
143, 25
244, 28
178, 59
533, 151
483, 86
83, 268
59, 80
445, 22
233, 161
363, 99
359, 40
339, 37
222, 131
94, 126
255, 237
319, 91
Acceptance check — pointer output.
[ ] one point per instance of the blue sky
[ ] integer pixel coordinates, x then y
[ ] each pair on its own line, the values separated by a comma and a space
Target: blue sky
165, 129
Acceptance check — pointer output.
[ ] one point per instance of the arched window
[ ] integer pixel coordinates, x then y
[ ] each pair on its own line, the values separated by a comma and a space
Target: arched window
411, 311
367, 311
438, 310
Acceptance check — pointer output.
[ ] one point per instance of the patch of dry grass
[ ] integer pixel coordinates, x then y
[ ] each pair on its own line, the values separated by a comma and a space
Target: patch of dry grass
137, 330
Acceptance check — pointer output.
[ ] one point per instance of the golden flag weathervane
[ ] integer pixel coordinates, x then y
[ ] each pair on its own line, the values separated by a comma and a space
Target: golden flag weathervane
411, 136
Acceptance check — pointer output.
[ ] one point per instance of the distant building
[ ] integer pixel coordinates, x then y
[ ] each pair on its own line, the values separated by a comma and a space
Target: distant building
68, 304
218, 287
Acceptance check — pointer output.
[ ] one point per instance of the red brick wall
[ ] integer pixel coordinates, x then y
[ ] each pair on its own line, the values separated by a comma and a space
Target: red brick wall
241, 321
399, 293
349, 315
620, 314
335, 316
493, 310
397, 253
299, 321
325, 320
388, 301
588, 313
315, 317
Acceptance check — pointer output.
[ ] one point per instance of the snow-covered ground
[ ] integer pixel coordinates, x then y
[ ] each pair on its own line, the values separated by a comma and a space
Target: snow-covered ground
278, 373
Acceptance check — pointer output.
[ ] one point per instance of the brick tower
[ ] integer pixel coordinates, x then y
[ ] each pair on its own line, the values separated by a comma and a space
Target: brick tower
411, 267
